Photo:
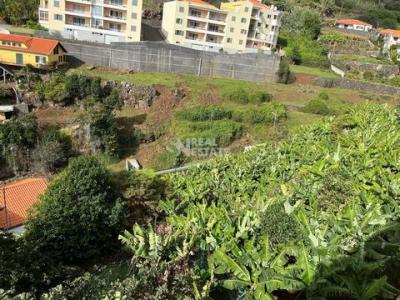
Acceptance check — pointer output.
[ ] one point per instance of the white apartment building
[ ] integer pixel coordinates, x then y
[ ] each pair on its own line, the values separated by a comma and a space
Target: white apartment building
103, 21
241, 26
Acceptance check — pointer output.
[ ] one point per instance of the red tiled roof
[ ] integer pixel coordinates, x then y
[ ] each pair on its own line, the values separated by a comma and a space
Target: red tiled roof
20, 196
352, 22
392, 32
259, 4
33, 44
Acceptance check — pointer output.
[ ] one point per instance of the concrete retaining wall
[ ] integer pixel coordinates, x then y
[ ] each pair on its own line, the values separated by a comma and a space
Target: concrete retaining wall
357, 85
162, 57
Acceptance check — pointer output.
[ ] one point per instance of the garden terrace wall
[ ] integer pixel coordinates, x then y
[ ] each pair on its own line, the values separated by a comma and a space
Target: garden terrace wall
357, 85
384, 69
162, 57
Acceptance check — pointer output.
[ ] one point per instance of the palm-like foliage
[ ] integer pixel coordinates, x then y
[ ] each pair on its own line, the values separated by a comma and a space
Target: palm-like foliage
339, 180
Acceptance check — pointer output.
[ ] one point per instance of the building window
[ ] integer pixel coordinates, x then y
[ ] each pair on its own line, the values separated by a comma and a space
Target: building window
97, 10
41, 60
232, 29
178, 32
56, 50
266, 26
133, 28
229, 40
241, 42
243, 20
43, 16
243, 31
58, 17
116, 14
181, 9
78, 21
269, 17
179, 21
246, 9
134, 2
233, 18
134, 15
56, 3
275, 17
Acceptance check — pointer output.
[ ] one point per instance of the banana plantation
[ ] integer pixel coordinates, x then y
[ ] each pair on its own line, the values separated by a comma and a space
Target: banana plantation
314, 217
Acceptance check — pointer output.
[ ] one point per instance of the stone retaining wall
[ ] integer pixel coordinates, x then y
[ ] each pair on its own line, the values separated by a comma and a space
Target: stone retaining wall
357, 85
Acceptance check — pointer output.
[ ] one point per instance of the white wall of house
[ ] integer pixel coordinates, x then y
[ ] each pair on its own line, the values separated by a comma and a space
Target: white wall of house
356, 27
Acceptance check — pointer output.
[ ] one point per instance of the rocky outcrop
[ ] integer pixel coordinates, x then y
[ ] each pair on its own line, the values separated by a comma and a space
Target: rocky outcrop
137, 96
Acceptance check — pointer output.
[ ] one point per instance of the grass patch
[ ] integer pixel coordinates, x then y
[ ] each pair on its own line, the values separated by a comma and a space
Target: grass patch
312, 71
364, 59
222, 132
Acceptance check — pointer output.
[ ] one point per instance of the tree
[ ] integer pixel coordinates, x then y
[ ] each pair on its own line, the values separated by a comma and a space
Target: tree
53, 150
302, 21
17, 138
78, 215
18, 12
284, 74
296, 56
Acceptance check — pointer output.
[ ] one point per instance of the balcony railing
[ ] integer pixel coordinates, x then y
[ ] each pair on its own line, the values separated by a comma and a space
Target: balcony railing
196, 27
214, 18
115, 3
114, 29
77, 11
215, 30
116, 17
213, 42
77, 24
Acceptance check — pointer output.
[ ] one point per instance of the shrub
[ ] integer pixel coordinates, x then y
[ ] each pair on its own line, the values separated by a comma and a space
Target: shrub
268, 113
284, 74
296, 56
259, 97
317, 106
224, 132
238, 95
78, 215
53, 150
323, 96
280, 227
204, 113
369, 76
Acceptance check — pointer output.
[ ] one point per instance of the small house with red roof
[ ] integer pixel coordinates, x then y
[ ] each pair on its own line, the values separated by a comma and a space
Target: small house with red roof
391, 39
352, 24
20, 50
16, 198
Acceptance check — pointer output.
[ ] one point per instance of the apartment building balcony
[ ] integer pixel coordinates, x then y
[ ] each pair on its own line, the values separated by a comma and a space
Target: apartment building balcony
77, 12
204, 30
88, 2
114, 16
122, 5
215, 40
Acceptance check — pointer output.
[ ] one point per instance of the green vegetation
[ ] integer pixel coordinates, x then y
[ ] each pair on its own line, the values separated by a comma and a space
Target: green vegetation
314, 199
307, 217
83, 196
312, 71
19, 12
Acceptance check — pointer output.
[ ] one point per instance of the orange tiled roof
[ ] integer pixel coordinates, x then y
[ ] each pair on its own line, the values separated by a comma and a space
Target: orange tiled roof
20, 196
259, 4
33, 44
352, 22
392, 32
202, 3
